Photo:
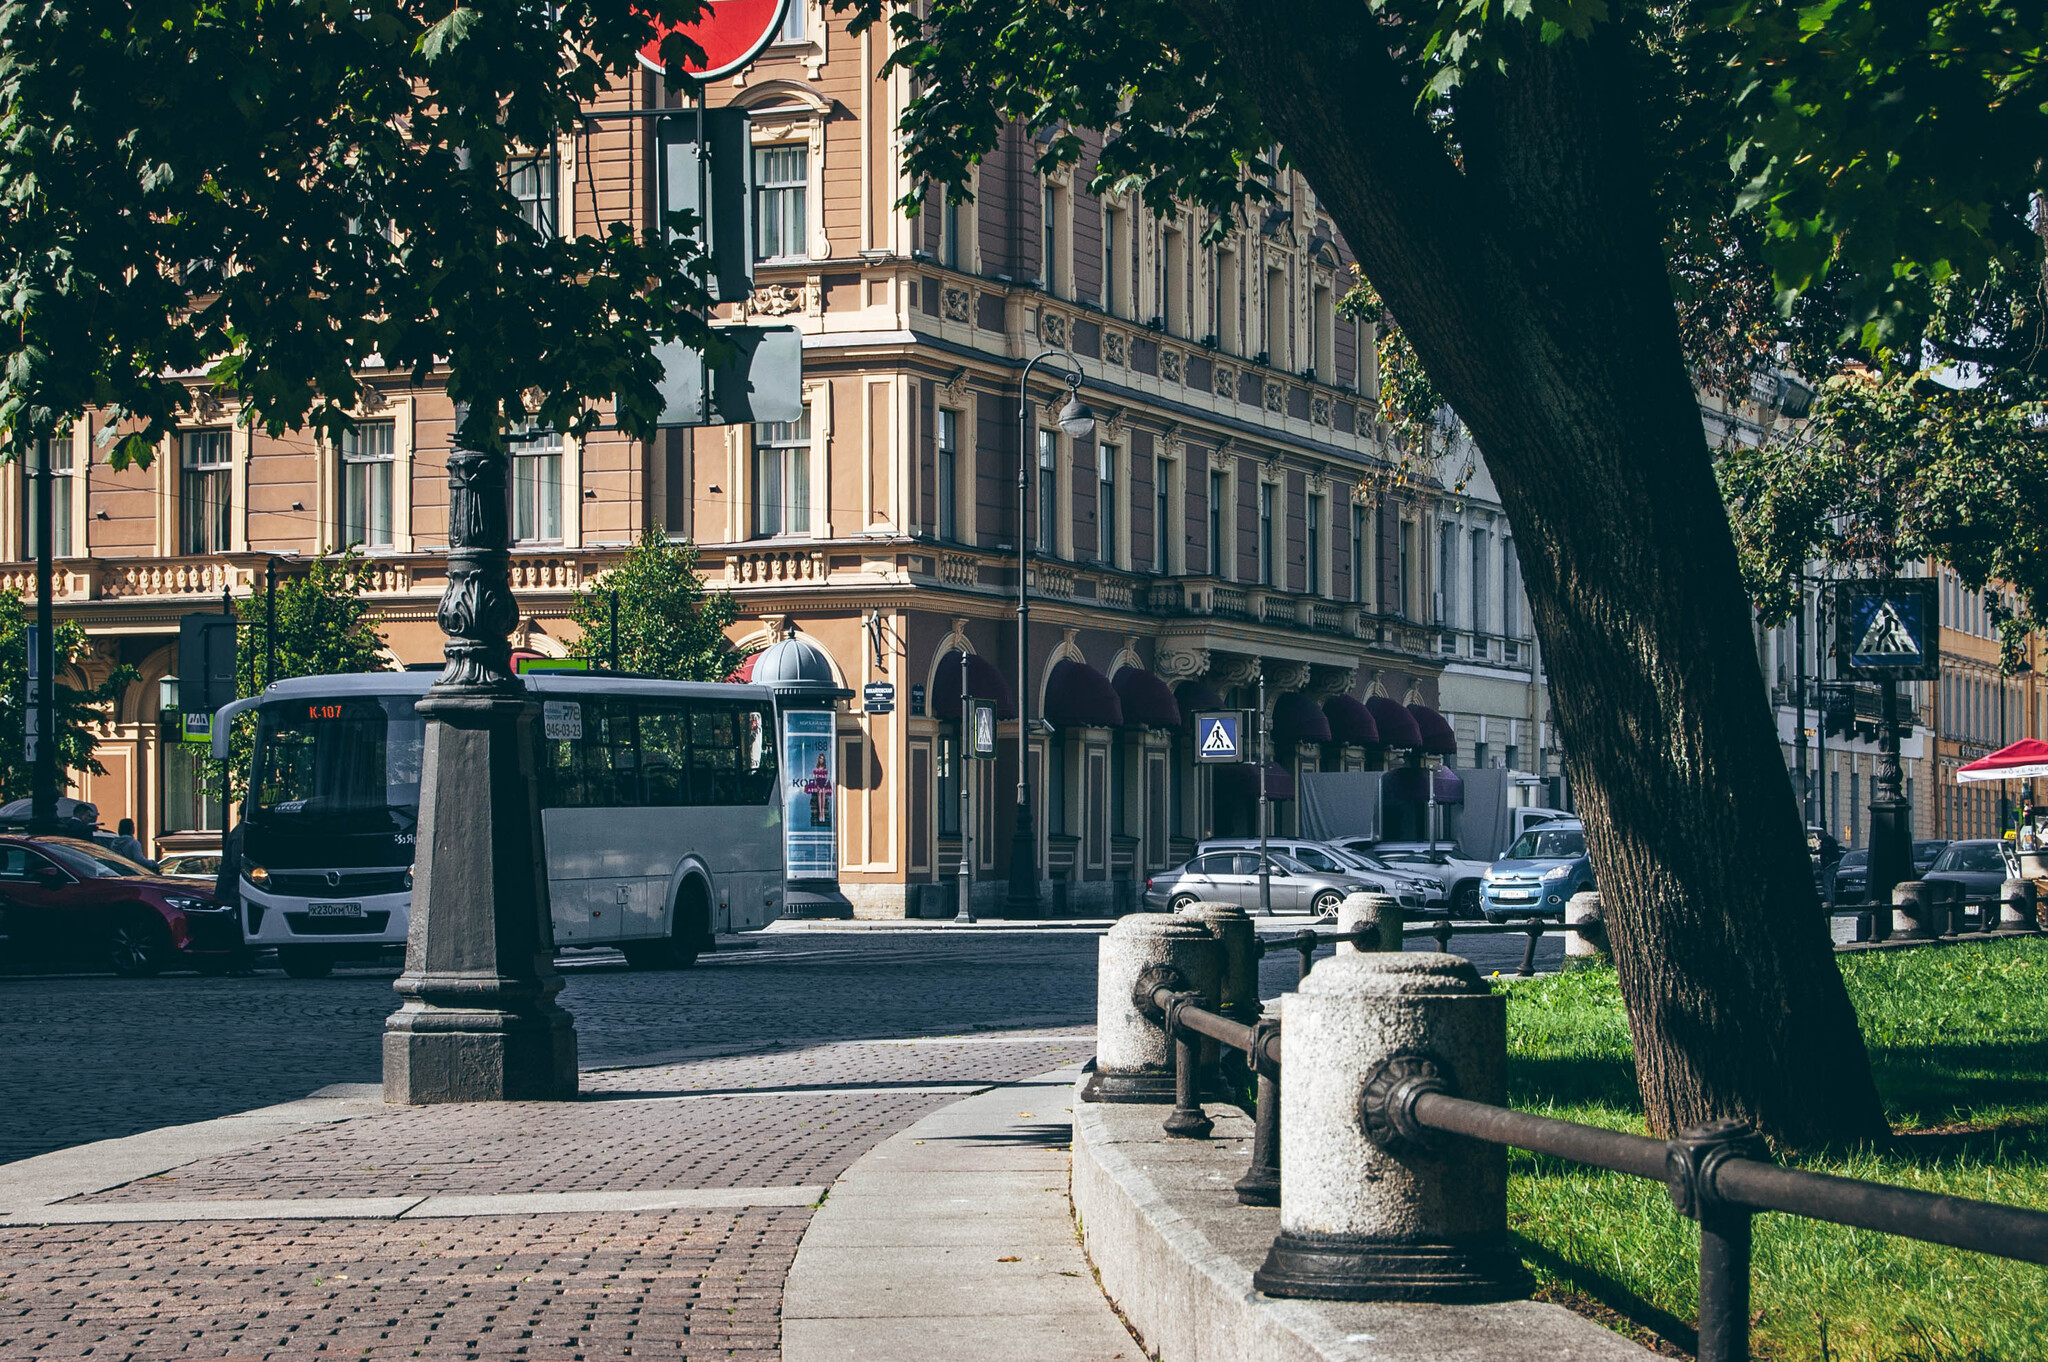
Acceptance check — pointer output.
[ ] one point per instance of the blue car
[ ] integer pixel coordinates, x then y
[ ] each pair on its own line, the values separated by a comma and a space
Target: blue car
1539, 874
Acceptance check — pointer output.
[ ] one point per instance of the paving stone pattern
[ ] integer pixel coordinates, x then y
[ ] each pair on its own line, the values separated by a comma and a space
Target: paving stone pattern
674, 1284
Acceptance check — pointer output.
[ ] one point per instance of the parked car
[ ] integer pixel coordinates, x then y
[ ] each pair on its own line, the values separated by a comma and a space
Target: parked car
67, 899
1457, 877
1413, 890
1538, 875
1849, 882
1979, 866
1233, 877
1925, 854
191, 865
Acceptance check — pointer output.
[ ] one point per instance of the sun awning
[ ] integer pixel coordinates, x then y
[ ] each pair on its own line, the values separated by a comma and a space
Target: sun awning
1411, 785
1148, 702
1078, 696
984, 682
1242, 781
2026, 759
745, 671
1297, 719
1350, 720
1396, 724
1195, 696
1438, 737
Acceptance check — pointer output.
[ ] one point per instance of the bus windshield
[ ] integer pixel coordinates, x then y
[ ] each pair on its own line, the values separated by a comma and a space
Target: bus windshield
347, 764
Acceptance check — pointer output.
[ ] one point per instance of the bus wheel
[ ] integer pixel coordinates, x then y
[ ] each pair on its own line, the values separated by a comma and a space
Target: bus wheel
690, 934
301, 962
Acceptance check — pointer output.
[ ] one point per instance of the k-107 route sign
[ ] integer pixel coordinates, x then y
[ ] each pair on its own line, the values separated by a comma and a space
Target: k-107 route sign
731, 32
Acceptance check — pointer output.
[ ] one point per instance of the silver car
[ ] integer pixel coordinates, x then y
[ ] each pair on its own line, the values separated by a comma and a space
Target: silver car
1233, 877
1458, 878
1414, 888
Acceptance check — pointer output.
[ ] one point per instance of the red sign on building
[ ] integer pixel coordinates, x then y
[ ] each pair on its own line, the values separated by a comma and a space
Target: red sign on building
731, 32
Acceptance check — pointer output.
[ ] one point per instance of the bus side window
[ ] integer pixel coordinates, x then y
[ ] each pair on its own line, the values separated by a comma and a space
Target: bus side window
714, 755
664, 754
758, 756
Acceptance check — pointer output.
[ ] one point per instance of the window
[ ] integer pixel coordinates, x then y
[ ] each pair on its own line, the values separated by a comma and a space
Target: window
948, 786
1326, 336
367, 455
531, 182
1108, 549
1358, 553
1162, 517
1314, 576
536, 486
1477, 583
949, 474
1510, 756
782, 477
187, 805
1048, 491
55, 455
1479, 756
659, 753
1510, 591
1405, 585
204, 490
949, 234
1278, 351
1266, 534
794, 26
1115, 298
1052, 225
1446, 571
1173, 292
1056, 784
1229, 302
782, 184
1217, 557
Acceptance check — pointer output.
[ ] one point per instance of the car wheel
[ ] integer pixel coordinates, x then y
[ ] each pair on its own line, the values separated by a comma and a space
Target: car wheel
677, 950
138, 946
1180, 901
1327, 903
301, 962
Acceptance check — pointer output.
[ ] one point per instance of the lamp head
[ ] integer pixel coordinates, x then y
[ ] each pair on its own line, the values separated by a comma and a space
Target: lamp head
1075, 418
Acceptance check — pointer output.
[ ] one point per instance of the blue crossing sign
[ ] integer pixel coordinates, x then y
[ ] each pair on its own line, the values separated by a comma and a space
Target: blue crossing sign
1219, 737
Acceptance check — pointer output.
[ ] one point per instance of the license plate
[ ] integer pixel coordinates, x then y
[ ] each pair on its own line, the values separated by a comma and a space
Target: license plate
334, 910
1515, 898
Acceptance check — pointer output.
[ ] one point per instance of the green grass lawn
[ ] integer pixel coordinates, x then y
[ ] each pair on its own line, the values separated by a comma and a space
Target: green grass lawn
1959, 1038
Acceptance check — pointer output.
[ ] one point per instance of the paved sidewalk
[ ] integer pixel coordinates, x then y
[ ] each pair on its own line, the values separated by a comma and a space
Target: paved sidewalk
658, 1217
955, 1239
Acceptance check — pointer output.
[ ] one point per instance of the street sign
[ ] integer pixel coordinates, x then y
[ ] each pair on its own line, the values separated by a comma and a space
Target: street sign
917, 698
878, 697
206, 670
1219, 737
731, 32
763, 380
1889, 627
525, 665
981, 730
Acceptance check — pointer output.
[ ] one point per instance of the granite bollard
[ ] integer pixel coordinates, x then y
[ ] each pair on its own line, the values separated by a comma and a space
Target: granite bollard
2019, 907
1226, 1077
1139, 955
1913, 911
1364, 1217
1589, 944
1381, 911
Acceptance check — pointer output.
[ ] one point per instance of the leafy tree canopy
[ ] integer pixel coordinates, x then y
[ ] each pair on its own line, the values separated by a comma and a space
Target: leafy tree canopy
669, 625
77, 710
276, 198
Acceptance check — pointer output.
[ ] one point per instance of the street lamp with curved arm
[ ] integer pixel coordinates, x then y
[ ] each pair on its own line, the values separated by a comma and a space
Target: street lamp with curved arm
1079, 423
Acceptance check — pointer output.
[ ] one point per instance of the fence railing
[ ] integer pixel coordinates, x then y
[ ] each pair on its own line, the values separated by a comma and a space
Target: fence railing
1409, 1128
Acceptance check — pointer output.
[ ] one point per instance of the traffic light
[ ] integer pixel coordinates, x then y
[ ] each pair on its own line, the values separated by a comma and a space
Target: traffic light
707, 156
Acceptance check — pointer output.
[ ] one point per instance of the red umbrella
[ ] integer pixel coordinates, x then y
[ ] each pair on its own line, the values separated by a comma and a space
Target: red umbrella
2024, 760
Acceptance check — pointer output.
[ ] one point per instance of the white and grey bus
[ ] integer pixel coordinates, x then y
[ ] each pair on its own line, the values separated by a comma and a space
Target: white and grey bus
659, 806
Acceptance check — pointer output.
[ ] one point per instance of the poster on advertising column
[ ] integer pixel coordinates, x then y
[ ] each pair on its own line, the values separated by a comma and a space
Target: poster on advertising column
810, 782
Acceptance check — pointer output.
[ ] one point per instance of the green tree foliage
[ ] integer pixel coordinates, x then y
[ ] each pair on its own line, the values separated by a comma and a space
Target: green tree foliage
77, 710
273, 195
324, 627
668, 624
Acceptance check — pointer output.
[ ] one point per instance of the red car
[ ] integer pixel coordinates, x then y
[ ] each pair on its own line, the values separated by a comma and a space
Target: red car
67, 900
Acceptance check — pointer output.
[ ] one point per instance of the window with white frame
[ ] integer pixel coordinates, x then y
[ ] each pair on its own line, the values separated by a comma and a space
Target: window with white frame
1325, 358
949, 233
795, 27
949, 474
1219, 555
1229, 309
1054, 236
532, 182
536, 486
57, 456
1173, 290
1477, 581
1048, 491
1510, 590
782, 206
1107, 494
1266, 566
1357, 553
1116, 300
1278, 349
368, 455
1313, 529
1162, 516
205, 491
1446, 572
782, 477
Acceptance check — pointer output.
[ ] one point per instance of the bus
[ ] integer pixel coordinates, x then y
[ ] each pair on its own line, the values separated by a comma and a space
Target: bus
660, 811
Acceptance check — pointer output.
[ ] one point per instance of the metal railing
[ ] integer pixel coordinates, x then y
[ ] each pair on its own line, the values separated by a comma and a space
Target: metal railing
1719, 1174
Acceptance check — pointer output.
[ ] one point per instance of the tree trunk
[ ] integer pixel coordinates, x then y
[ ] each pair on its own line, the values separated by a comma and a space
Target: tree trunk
1531, 280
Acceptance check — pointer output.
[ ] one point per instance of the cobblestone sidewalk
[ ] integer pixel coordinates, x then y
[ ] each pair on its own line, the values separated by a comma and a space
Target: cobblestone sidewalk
586, 1281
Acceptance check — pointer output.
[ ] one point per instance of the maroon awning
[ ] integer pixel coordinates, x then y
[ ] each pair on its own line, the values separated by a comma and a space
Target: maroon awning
1078, 696
1297, 719
745, 671
1148, 703
984, 682
1438, 737
1242, 782
1396, 724
1410, 785
1195, 696
1350, 720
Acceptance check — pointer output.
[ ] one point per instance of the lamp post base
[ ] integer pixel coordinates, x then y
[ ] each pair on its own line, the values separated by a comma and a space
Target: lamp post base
479, 1022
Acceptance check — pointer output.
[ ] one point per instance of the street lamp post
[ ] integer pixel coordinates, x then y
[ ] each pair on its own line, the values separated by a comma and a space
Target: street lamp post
1079, 423
43, 665
1265, 809
961, 767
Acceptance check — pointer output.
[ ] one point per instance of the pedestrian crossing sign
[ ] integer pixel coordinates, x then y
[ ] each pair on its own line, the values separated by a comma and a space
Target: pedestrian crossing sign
1888, 627
1219, 737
